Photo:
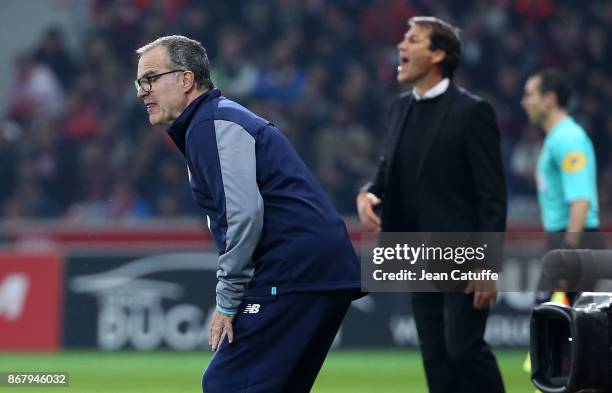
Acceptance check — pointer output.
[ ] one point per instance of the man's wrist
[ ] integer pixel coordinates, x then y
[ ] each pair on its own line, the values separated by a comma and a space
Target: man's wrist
226, 311
571, 240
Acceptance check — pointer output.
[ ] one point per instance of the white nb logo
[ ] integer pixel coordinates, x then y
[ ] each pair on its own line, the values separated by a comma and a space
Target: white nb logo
251, 309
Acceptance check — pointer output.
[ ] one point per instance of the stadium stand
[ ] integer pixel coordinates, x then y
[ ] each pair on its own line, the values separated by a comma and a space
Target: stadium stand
75, 142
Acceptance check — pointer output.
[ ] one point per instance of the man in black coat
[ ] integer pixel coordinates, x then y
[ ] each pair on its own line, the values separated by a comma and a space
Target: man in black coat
442, 172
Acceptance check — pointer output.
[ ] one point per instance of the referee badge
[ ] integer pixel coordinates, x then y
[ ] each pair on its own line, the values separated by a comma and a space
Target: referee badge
573, 162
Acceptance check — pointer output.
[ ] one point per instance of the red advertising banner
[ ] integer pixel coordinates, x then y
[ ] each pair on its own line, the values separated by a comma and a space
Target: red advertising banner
31, 288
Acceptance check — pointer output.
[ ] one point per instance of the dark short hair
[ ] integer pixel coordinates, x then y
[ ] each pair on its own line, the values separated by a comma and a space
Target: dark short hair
557, 82
443, 36
185, 53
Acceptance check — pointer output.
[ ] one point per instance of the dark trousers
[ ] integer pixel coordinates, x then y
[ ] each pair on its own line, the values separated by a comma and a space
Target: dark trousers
281, 347
455, 355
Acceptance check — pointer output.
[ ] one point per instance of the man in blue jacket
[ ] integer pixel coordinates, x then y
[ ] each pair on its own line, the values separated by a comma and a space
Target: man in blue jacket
287, 269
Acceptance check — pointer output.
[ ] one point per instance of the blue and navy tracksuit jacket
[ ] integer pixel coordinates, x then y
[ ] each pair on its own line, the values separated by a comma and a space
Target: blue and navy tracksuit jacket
275, 230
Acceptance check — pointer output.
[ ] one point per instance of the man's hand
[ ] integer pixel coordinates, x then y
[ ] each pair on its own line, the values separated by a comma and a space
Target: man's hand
366, 202
485, 293
220, 326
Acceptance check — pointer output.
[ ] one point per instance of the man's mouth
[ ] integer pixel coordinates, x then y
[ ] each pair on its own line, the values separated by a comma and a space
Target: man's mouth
403, 61
149, 106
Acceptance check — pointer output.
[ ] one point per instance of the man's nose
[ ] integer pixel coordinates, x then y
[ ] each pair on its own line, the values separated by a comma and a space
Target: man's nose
140, 93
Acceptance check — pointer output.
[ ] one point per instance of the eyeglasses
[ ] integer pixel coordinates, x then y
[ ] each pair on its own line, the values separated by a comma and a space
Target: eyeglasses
146, 82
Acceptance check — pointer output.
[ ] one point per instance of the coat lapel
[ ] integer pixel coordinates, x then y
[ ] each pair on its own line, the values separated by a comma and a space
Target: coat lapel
396, 125
435, 125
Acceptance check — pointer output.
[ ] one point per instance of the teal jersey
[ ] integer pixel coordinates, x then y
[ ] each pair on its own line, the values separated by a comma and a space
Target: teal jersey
566, 172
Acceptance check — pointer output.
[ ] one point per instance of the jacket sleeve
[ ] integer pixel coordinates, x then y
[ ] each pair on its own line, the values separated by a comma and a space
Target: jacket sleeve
377, 185
484, 157
223, 155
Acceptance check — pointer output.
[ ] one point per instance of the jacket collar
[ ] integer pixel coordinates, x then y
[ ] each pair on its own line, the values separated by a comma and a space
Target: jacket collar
178, 128
437, 90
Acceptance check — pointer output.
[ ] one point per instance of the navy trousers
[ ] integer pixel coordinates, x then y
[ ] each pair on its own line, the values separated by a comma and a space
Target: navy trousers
279, 345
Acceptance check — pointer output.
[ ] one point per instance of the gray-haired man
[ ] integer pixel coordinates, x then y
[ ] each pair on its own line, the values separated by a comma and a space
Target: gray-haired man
287, 269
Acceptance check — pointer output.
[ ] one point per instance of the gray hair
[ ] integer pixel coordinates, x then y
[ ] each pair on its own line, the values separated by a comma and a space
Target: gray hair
185, 53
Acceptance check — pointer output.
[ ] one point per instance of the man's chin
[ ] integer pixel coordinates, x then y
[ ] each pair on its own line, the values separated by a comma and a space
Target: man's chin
533, 119
154, 120
404, 80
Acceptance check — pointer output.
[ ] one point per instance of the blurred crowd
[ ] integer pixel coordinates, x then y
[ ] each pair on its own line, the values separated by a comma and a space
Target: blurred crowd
75, 141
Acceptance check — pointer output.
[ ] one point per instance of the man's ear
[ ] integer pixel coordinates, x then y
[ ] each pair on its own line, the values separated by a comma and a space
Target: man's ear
438, 56
550, 98
188, 80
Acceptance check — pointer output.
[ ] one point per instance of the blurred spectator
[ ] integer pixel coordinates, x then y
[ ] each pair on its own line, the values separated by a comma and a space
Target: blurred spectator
281, 80
36, 91
384, 21
125, 203
169, 194
80, 120
234, 73
52, 51
28, 201
523, 161
344, 149
10, 132
197, 20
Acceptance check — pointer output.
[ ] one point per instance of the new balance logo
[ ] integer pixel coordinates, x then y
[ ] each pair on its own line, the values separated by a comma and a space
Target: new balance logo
251, 309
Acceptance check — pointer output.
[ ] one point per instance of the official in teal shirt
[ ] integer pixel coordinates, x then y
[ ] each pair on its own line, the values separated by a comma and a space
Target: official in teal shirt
567, 171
